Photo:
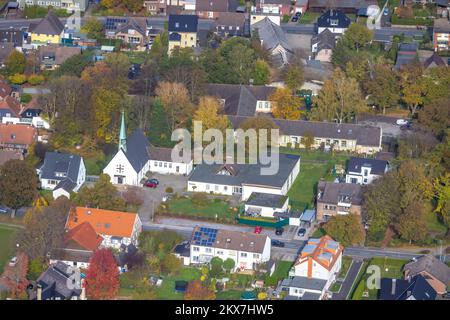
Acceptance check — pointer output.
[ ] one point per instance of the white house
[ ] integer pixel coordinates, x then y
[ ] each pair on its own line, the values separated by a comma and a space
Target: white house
266, 205
334, 20
246, 249
116, 228
244, 179
161, 162
62, 172
315, 269
364, 171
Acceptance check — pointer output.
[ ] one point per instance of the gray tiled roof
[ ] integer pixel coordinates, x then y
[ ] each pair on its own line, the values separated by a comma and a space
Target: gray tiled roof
54, 283
49, 25
60, 162
325, 40
271, 34
377, 166
245, 174
183, 23
325, 20
433, 266
266, 200
138, 150
308, 283
331, 192
364, 135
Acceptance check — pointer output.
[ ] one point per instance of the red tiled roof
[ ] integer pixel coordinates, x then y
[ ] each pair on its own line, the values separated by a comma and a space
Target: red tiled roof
84, 235
17, 134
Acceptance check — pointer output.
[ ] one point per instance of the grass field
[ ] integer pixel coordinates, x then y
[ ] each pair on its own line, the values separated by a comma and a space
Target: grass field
167, 289
309, 17
229, 295
281, 272
6, 240
185, 207
346, 263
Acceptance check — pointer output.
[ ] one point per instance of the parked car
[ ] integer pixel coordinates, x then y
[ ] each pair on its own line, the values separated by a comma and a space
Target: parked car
301, 232
258, 230
294, 19
279, 231
154, 181
13, 262
150, 184
4, 210
386, 11
401, 122
298, 14
277, 243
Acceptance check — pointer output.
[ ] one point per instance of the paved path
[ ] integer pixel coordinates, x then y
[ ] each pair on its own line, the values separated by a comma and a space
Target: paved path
347, 285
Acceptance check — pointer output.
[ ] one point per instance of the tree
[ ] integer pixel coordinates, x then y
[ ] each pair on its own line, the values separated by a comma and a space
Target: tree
197, 291
242, 62
208, 114
102, 276
15, 63
383, 88
435, 116
18, 184
308, 140
171, 264
347, 229
102, 195
133, 5
35, 79
110, 3
357, 36
413, 86
18, 78
257, 123
411, 224
35, 268
106, 104
175, 100
44, 228
285, 105
216, 267
340, 99
75, 65
293, 77
442, 195
261, 72
228, 265
93, 28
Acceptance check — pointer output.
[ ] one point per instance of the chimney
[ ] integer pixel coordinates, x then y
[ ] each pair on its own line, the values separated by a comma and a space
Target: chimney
39, 292
394, 282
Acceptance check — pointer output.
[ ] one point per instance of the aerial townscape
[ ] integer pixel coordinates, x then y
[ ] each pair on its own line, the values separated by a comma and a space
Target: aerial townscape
328, 123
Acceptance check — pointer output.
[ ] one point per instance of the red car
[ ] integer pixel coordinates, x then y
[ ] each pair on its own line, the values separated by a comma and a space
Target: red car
258, 230
150, 184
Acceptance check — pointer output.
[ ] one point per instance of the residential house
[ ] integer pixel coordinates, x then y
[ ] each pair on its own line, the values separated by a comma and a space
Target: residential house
13, 112
364, 171
52, 56
6, 48
242, 100
17, 137
407, 53
47, 31
266, 205
277, 7
441, 34
247, 249
62, 173
315, 269
111, 24
183, 252
416, 288
52, 284
161, 162
338, 198
68, 5
182, 31
434, 61
133, 33
346, 6
244, 179
230, 24
274, 40
356, 138
435, 272
9, 107
12, 35
322, 45
211, 9
115, 227
132, 160
442, 7
156, 7
334, 20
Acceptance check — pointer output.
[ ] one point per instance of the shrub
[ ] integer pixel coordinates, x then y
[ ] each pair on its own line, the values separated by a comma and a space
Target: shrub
25, 98
286, 18
132, 197
35, 79
18, 78
199, 199
169, 189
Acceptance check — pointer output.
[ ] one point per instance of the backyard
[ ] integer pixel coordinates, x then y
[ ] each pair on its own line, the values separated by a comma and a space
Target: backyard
390, 268
6, 239
281, 272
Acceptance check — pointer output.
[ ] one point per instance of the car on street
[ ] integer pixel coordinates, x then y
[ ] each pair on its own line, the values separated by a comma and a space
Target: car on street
279, 231
150, 184
277, 243
294, 19
154, 181
258, 230
401, 122
386, 11
301, 232
4, 210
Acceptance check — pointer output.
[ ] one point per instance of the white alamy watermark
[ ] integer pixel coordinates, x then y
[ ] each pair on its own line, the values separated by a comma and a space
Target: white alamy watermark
233, 143
374, 280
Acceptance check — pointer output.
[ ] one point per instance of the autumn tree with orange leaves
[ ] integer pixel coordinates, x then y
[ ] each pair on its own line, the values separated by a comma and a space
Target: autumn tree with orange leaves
102, 276
196, 290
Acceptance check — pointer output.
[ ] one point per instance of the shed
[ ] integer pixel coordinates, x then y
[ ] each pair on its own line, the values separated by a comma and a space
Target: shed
181, 286
308, 217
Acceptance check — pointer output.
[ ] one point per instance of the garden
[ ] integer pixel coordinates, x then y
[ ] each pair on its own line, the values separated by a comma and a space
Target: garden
7, 235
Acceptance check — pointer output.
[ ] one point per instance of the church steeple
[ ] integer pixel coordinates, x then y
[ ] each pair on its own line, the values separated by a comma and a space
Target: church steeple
123, 134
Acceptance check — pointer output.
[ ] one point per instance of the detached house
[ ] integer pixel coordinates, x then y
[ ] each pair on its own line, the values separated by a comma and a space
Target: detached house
338, 198
182, 31
52, 56
17, 137
323, 44
364, 171
315, 269
116, 228
133, 33
156, 7
47, 31
211, 9
248, 250
334, 20
416, 288
441, 34
161, 162
231, 24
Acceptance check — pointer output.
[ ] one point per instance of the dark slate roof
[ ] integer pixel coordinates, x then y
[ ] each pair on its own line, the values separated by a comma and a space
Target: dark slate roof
434, 59
364, 135
332, 192
431, 265
60, 162
67, 185
266, 200
344, 4
240, 100
183, 23
248, 174
12, 35
416, 288
54, 283
325, 40
183, 249
308, 283
126, 254
71, 255
6, 48
408, 47
443, 3
378, 166
138, 150
49, 25
325, 20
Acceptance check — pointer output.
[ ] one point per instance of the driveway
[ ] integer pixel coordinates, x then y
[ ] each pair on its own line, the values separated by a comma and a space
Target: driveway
348, 281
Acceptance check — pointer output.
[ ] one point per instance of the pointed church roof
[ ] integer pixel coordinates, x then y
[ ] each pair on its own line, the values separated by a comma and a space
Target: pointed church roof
123, 134
137, 150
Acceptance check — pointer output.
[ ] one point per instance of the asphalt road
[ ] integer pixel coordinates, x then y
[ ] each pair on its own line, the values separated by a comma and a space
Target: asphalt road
349, 280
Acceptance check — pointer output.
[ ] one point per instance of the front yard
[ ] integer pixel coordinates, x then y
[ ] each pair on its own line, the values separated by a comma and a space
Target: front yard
309, 17
7, 235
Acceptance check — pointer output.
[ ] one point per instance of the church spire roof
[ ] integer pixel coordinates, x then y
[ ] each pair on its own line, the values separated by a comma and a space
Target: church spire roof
123, 134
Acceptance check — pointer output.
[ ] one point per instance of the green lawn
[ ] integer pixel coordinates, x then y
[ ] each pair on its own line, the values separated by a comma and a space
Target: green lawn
346, 262
390, 268
185, 207
335, 287
136, 57
167, 289
229, 295
281, 272
7, 235
320, 232
309, 17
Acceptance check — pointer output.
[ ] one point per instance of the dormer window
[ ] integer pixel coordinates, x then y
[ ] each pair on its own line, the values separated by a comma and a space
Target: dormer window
177, 25
334, 22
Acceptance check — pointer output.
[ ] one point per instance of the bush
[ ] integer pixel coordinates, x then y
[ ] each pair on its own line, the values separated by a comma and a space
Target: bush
18, 78
35, 79
169, 190
286, 18
199, 199
132, 197
25, 98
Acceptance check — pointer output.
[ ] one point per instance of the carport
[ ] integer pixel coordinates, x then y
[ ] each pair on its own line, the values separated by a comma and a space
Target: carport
307, 218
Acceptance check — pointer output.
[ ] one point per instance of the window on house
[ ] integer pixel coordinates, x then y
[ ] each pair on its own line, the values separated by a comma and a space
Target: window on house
208, 250
207, 187
255, 256
366, 172
243, 255
343, 143
195, 249
170, 165
120, 168
225, 188
165, 164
